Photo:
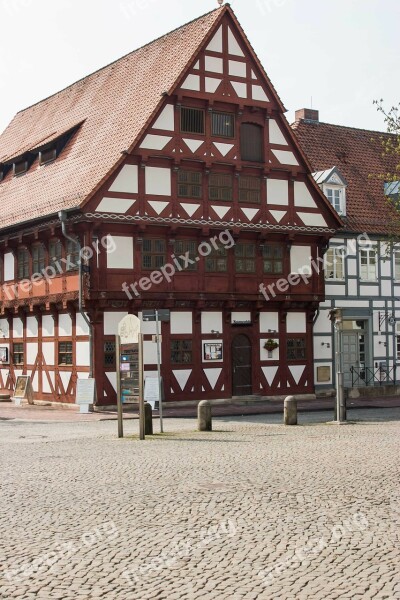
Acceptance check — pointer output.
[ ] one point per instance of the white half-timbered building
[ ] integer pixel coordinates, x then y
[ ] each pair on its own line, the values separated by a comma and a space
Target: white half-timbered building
177, 172
362, 274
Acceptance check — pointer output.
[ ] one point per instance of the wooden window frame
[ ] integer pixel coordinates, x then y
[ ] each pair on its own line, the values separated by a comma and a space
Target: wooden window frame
38, 259
54, 255
248, 259
18, 351
181, 247
17, 172
73, 256
109, 349
247, 193
217, 257
154, 254
222, 184
63, 351
23, 268
178, 353
191, 184
273, 259
245, 155
50, 151
331, 268
299, 348
224, 115
371, 258
183, 119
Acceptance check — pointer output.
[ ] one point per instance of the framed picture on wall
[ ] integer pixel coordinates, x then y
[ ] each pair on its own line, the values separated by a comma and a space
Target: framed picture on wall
3, 355
212, 351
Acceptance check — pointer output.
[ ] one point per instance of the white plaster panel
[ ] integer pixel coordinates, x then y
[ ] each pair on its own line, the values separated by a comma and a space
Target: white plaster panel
352, 287
155, 142
265, 354
237, 69
31, 353
158, 206
82, 375
181, 322
112, 378
285, 157
127, 180
212, 376
386, 287
166, 120
182, 377
278, 192
270, 373
297, 372
335, 290
35, 382
213, 64
379, 304
82, 328
111, 321
237, 316
65, 377
379, 348
352, 266
64, 326
48, 351
278, 214
192, 82
18, 328
300, 259
386, 270
82, 354
158, 181
193, 145
4, 328
275, 133
269, 320
118, 206
240, 89
150, 353
212, 84
45, 384
211, 321
369, 290
302, 196
296, 322
259, 94
216, 43
312, 219
323, 323
47, 326
352, 303
9, 268
321, 350
148, 327
233, 46
122, 257
32, 328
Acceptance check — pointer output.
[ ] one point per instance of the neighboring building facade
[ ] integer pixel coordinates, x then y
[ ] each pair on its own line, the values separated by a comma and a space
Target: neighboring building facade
362, 275
178, 158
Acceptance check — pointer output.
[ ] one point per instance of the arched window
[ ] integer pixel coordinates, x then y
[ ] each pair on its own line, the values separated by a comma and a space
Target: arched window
251, 142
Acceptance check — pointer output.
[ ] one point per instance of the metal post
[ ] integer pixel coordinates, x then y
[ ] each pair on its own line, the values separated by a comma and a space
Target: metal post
119, 399
340, 399
159, 372
141, 390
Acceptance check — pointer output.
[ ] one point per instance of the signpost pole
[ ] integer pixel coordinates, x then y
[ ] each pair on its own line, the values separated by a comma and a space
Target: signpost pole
159, 373
119, 399
141, 390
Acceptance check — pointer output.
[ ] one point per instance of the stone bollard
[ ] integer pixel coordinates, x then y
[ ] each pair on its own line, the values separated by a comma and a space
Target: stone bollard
148, 419
204, 418
290, 411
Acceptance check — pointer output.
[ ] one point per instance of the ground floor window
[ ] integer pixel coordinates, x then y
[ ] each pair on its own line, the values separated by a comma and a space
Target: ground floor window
181, 352
296, 349
109, 354
65, 353
18, 354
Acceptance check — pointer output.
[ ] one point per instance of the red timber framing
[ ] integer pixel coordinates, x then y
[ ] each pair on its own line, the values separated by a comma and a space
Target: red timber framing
216, 161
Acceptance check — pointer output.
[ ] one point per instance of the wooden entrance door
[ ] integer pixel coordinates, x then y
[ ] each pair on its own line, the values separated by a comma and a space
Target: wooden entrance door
241, 366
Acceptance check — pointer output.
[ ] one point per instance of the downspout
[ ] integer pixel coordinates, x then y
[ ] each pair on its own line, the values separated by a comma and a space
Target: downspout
62, 215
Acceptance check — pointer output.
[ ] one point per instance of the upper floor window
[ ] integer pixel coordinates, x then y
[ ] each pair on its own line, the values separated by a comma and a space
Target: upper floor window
38, 258
185, 252
73, 256
153, 254
397, 264
223, 124
334, 264
192, 120
245, 258
18, 354
55, 254
220, 187
336, 198
20, 167
23, 263
273, 259
249, 189
217, 261
368, 262
190, 184
47, 156
251, 142
65, 353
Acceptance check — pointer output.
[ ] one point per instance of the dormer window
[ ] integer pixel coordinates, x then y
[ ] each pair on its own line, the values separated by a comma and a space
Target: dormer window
47, 156
20, 167
333, 185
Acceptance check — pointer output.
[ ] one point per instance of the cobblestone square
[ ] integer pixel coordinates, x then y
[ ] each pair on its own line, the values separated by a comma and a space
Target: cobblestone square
251, 510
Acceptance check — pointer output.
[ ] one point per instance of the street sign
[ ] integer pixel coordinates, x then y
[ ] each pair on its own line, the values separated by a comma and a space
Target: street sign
163, 315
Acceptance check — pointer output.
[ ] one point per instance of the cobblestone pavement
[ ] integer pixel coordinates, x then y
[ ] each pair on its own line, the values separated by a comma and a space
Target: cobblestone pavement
251, 510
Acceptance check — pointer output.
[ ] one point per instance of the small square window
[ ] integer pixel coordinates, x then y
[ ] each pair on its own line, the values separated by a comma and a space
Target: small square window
65, 353
181, 352
47, 156
20, 167
223, 124
192, 120
18, 354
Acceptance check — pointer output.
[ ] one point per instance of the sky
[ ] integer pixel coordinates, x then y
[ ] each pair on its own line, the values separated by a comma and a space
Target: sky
336, 56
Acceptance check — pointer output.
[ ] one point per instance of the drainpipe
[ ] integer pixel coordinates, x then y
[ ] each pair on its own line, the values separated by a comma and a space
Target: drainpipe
62, 215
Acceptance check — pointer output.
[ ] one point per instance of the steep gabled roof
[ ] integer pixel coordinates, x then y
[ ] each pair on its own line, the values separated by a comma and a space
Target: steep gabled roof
113, 104
359, 157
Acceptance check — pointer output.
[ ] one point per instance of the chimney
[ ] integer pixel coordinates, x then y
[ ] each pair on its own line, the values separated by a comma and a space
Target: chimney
307, 114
